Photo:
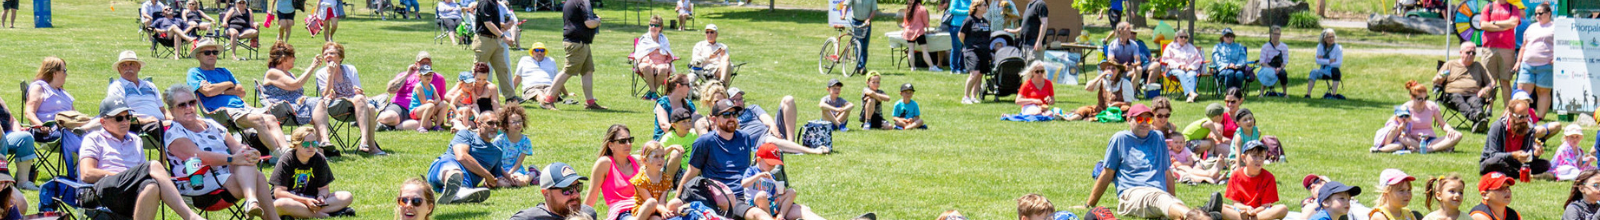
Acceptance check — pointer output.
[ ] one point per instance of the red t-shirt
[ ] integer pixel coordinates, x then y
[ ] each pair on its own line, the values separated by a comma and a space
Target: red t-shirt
1228, 125
1029, 91
1514, 141
1501, 39
1254, 191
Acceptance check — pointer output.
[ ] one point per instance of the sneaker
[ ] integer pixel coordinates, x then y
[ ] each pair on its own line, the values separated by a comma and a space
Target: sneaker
935, 69
864, 127
1214, 204
1327, 96
472, 195
594, 106
347, 211
452, 186
1338, 96
27, 185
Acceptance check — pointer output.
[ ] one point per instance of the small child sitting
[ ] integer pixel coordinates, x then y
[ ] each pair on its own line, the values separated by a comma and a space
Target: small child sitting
1334, 200
1203, 136
766, 192
834, 108
652, 186
681, 136
1246, 133
872, 99
301, 181
907, 114
1034, 207
1252, 188
1394, 195
1183, 161
1570, 158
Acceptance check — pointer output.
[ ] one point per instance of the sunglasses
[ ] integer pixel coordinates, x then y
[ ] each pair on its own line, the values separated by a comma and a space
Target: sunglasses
1231, 101
514, 123
623, 140
711, 32
1541, 13
492, 123
570, 190
188, 104
1169, 115
1183, 37
1470, 53
1421, 97
538, 50
120, 118
655, 25
411, 201
210, 52
729, 113
1143, 120
309, 144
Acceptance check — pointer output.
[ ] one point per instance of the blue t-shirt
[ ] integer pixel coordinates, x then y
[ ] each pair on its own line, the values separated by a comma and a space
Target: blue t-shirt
512, 151
750, 121
1321, 215
1138, 162
764, 184
215, 75
1116, 5
902, 109
723, 160
487, 155
959, 9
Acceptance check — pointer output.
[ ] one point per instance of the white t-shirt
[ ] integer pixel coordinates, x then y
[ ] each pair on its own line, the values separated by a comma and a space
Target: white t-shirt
536, 73
143, 96
448, 10
703, 50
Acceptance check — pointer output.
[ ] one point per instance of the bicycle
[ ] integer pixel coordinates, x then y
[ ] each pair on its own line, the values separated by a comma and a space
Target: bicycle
833, 54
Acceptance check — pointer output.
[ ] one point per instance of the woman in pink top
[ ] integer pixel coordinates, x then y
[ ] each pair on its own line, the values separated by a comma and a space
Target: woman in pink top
1534, 69
1183, 60
1424, 116
612, 172
915, 24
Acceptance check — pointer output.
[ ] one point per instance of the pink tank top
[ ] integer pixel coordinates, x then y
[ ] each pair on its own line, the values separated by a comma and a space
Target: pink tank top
1422, 119
616, 188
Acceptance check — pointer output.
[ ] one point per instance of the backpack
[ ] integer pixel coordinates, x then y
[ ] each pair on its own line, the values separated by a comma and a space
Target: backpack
817, 134
1274, 149
69, 195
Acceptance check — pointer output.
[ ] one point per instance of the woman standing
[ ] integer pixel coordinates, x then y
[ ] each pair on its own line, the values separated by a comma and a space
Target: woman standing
341, 82
284, 10
1534, 72
975, 34
655, 57
612, 172
916, 27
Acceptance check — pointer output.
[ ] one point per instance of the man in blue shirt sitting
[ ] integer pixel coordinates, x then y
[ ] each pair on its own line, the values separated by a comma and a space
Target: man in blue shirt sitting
219, 93
1137, 160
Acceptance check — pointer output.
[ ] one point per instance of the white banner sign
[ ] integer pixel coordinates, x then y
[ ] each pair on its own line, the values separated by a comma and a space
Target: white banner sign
836, 12
1577, 56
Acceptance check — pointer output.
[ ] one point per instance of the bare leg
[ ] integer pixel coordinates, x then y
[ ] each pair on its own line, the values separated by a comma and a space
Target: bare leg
148, 203
1334, 89
332, 26
271, 132
787, 108
24, 174
250, 184
390, 118
441, 115
588, 86
1274, 212
646, 209
366, 122
338, 200
928, 57
1445, 144
425, 114
1544, 100
296, 209
169, 192
1230, 213
1311, 83
974, 81
319, 120
284, 29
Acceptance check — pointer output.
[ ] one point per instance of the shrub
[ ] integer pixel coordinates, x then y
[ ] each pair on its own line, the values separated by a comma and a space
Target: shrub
1223, 11
1304, 19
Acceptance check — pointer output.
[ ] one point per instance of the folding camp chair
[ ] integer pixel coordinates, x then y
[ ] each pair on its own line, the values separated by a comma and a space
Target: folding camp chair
44, 150
1221, 87
639, 84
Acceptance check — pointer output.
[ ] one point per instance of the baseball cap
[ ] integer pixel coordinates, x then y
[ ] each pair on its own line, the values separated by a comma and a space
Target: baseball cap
1328, 189
1227, 32
466, 77
1214, 109
769, 154
1310, 179
1572, 129
1392, 176
734, 91
711, 27
1402, 111
723, 106
558, 175
1138, 109
1252, 145
680, 114
834, 82
110, 107
1064, 215
423, 55
907, 87
1494, 180
1521, 95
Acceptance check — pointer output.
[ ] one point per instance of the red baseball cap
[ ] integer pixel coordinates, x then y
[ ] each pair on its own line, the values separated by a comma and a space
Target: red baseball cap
1494, 180
769, 154
1310, 179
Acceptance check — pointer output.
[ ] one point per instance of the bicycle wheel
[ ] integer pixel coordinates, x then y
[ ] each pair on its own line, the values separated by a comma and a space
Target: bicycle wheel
828, 57
848, 58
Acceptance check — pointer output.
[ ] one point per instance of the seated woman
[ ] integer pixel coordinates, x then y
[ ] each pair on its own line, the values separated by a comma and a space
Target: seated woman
1183, 60
1037, 94
224, 176
241, 25
612, 171
301, 180
19, 143
340, 82
1230, 60
113, 160
473, 94
1274, 54
415, 201
198, 20
1419, 126
282, 88
654, 54
47, 95
1330, 56
449, 17
1110, 88
470, 161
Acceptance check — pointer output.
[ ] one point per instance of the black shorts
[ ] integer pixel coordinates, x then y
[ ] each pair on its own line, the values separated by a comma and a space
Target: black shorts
119, 191
397, 109
285, 16
239, 28
982, 61
921, 40
11, 4
1115, 16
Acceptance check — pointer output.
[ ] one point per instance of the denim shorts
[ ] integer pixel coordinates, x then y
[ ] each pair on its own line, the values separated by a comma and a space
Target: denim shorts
1540, 76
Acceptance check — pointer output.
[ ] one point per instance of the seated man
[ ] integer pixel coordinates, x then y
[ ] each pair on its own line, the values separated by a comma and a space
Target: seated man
1137, 159
711, 56
113, 160
1510, 145
169, 27
219, 93
144, 97
1125, 51
470, 160
150, 10
723, 155
538, 70
1466, 86
562, 189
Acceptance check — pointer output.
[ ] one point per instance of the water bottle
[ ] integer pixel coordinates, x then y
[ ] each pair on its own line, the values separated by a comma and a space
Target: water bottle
192, 167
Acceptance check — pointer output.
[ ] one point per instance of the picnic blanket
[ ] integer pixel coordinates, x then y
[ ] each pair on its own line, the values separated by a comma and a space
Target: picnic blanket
1026, 118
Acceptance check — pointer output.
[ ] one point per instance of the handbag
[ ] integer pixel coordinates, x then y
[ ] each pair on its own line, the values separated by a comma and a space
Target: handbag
817, 134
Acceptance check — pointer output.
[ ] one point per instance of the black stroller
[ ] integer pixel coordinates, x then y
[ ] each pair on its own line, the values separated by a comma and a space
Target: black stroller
1009, 60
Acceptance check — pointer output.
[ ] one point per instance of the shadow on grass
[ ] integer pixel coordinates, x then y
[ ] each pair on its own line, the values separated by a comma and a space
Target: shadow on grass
462, 215
781, 15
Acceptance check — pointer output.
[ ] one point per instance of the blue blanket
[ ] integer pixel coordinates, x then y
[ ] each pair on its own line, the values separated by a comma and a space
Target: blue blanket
1026, 118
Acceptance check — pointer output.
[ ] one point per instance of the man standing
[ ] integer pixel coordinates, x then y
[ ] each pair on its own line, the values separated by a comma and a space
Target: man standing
579, 25
711, 55
1034, 19
1137, 160
1466, 83
490, 47
563, 195
1500, 35
142, 94
861, 14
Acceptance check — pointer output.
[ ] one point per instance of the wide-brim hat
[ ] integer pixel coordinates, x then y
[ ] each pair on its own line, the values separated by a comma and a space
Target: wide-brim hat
201, 45
127, 56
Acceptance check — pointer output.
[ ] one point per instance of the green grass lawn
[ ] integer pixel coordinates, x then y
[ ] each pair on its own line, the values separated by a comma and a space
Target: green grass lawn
970, 161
